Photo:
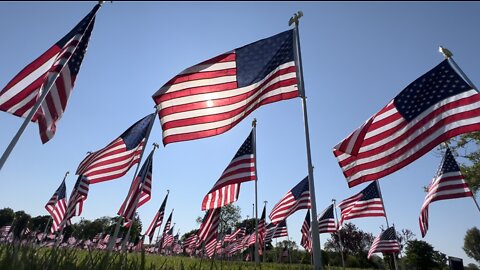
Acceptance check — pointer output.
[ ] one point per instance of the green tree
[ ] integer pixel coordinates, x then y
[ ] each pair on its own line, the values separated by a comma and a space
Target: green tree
20, 223
6, 216
472, 266
230, 215
471, 243
422, 256
39, 223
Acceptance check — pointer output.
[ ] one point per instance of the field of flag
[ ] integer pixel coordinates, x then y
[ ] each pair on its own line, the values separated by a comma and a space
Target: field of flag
209, 99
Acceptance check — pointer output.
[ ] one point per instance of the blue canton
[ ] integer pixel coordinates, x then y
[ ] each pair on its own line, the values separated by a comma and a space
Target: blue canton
370, 192
256, 60
135, 134
300, 188
434, 86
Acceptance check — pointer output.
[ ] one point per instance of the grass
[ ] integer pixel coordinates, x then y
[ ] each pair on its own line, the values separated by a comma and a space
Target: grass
19, 257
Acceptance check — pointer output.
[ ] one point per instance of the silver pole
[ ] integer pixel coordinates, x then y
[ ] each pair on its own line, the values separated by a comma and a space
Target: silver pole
317, 258
339, 235
254, 125
386, 219
264, 244
45, 90
113, 239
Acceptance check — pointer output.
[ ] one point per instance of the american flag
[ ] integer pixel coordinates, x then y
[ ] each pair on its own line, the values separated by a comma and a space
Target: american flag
366, 203
326, 221
157, 220
56, 69
262, 230
237, 234
297, 198
306, 240
57, 206
211, 97
209, 226
448, 183
115, 159
168, 224
269, 233
281, 230
191, 242
168, 238
77, 197
140, 190
210, 247
240, 169
386, 242
434, 108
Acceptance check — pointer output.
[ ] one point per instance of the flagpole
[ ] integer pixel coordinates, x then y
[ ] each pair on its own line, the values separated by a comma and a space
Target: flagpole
386, 219
264, 244
46, 89
113, 239
254, 126
317, 258
339, 235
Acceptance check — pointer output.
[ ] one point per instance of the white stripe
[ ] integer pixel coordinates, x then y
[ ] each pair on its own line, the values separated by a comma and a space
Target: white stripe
213, 125
29, 79
209, 67
412, 151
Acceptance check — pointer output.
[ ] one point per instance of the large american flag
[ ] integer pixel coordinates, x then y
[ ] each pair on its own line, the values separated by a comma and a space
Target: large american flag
386, 242
168, 238
435, 107
140, 191
295, 199
306, 240
366, 203
209, 227
56, 69
448, 183
57, 206
115, 159
77, 197
240, 169
211, 97
326, 221
157, 220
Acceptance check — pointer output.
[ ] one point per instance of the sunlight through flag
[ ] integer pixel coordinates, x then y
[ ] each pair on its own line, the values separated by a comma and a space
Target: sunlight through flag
210, 98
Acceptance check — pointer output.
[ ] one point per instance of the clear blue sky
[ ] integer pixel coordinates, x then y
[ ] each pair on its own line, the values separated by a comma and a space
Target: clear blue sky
356, 58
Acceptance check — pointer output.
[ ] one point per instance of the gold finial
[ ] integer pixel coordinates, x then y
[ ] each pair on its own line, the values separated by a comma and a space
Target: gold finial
254, 122
295, 18
446, 53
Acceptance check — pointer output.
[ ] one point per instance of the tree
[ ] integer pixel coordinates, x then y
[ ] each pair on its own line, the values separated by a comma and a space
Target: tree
471, 243
6, 216
472, 266
39, 223
20, 223
230, 215
421, 255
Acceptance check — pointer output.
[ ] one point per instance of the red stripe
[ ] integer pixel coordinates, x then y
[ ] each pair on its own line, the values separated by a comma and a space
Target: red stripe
445, 136
411, 144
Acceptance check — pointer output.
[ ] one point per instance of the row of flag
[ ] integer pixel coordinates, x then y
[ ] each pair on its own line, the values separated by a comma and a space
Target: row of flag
213, 96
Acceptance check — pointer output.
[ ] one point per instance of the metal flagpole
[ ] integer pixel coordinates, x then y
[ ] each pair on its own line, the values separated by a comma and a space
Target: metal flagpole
386, 219
339, 235
317, 258
264, 244
113, 239
45, 90
254, 143
448, 55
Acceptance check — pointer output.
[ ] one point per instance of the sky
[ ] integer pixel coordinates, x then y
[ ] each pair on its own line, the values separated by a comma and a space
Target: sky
356, 57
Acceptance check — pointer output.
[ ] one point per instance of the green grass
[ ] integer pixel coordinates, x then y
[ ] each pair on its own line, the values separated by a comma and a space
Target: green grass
18, 257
